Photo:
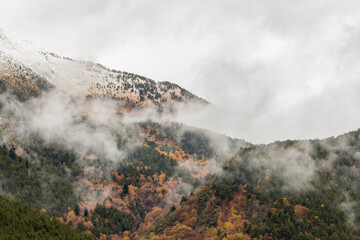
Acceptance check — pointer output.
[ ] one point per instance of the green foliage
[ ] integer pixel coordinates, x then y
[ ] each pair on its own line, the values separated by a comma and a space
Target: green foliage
207, 213
53, 155
38, 187
77, 210
286, 144
165, 222
196, 142
331, 187
18, 221
110, 220
325, 222
185, 175
223, 188
319, 151
147, 161
137, 209
125, 190
151, 144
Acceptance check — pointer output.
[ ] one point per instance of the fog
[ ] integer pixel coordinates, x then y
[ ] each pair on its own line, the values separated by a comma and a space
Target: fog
281, 69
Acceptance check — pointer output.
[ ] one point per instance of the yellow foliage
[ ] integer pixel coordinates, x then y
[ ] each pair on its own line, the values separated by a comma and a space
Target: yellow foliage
132, 190
233, 212
236, 236
228, 226
159, 195
173, 156
156, 177
232, 223
179, 231
154, 237
162, 178
203, 162
102, 236
126, 235
212, 232
178, 154
71, 216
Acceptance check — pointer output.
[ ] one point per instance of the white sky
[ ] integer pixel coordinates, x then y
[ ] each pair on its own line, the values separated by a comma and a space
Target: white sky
282, 68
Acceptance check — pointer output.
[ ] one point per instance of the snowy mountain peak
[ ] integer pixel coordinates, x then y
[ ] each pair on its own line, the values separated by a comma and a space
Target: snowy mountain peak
26, 68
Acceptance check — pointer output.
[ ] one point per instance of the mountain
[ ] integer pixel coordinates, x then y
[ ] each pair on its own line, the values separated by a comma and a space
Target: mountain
82, 146
68, 152
28, 71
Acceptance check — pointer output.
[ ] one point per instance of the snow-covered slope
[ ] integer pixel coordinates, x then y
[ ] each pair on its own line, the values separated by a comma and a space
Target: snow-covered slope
29, 69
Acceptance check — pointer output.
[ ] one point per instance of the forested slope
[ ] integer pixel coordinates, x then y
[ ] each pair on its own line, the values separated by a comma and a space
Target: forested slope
18, 221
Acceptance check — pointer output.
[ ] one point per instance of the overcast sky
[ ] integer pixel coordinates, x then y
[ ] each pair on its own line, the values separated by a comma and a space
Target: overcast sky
282, 68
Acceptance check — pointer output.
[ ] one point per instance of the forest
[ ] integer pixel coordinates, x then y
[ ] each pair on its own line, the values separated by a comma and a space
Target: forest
166, 188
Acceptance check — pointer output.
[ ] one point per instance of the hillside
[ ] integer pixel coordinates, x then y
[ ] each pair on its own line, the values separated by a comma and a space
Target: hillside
284, 190
168, 188
21, 222
96, 194
70, 153
90, 148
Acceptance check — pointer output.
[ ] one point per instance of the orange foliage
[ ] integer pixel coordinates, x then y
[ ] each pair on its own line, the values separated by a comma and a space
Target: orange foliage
192, 218
88, 224
118, 203
115, 237
179, 231
150, 219
74, 219
236, 236
107, 203
132, 190
300, 211
126, 235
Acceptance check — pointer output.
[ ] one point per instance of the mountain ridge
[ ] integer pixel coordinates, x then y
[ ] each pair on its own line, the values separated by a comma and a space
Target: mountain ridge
82, 78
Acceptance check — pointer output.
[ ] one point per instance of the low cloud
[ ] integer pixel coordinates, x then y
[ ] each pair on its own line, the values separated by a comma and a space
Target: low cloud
282, 69
86, 127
